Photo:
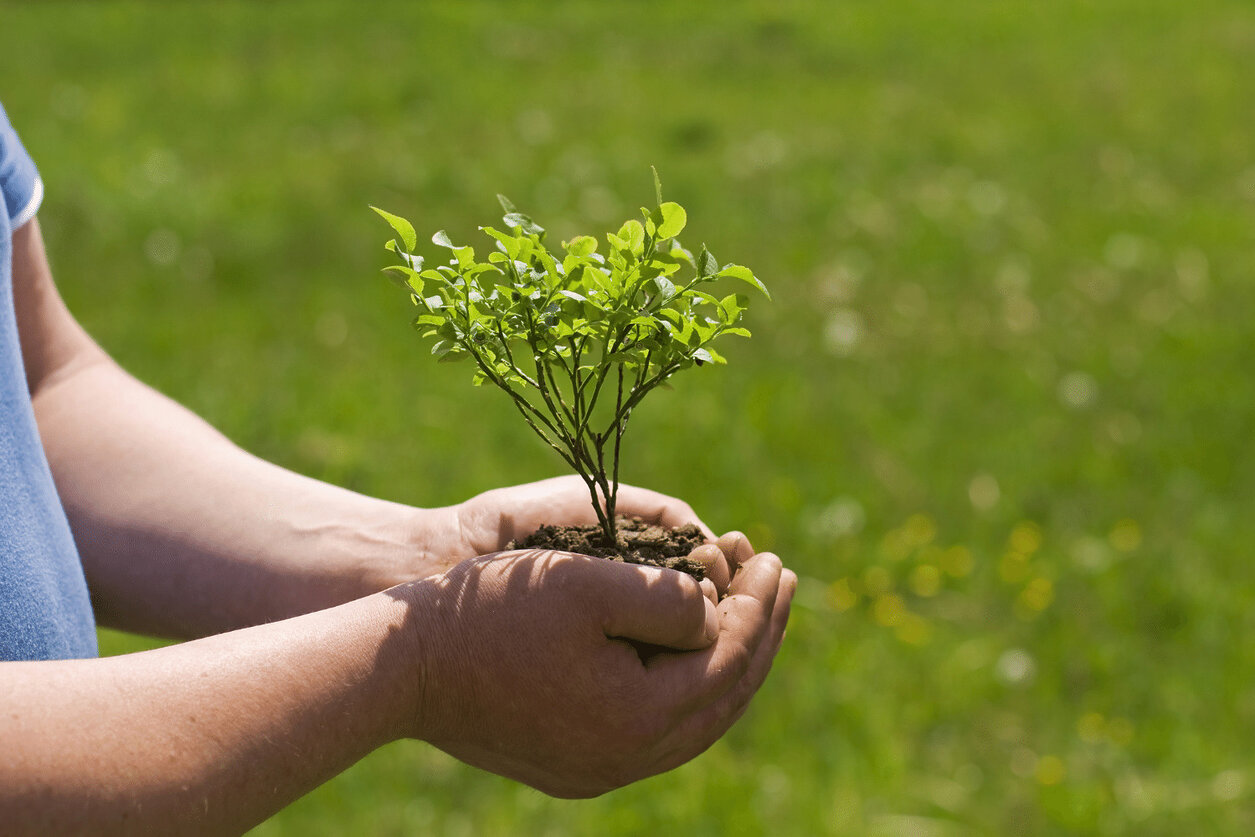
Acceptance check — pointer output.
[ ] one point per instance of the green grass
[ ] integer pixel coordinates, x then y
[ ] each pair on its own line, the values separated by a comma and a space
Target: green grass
999, 417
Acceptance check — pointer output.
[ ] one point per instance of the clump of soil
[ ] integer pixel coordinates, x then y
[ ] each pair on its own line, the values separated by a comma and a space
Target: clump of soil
638, 542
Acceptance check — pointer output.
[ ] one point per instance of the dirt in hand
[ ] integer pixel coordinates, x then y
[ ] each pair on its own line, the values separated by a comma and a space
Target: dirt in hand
638, 542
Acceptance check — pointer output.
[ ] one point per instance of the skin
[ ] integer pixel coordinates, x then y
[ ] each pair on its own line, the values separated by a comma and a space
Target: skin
323, 624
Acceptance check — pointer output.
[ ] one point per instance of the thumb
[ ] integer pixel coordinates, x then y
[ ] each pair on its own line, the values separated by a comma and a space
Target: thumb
654, 606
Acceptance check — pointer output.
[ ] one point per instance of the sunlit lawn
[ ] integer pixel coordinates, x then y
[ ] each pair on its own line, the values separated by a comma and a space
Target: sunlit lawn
999, 417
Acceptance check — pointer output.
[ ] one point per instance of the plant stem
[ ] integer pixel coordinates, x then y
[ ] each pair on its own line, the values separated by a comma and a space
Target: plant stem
620, 426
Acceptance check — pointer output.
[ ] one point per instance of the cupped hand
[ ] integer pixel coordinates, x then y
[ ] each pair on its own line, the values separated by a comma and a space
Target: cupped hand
529, 668
489, 521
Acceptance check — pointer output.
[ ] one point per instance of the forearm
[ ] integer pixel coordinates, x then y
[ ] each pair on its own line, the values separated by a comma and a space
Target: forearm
183, 534
210, 736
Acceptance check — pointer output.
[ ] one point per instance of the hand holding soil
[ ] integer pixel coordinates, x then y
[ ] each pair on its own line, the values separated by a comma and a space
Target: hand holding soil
492, 521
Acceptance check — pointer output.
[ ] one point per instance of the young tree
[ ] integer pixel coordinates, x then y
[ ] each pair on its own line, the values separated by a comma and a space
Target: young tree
576, 339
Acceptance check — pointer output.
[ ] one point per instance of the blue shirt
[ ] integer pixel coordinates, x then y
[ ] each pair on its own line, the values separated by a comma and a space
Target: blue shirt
45, 613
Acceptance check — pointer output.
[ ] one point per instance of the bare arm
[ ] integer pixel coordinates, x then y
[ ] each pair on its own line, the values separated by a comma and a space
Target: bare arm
207, 737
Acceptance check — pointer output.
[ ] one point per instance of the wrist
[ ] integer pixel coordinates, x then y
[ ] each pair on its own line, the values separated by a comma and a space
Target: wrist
408, 653
405, 544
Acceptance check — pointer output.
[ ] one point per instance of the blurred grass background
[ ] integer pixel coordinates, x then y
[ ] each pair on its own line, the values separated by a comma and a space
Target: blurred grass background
999, 417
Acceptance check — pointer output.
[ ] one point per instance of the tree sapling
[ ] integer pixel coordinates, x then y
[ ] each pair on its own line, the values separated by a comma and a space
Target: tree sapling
575, 338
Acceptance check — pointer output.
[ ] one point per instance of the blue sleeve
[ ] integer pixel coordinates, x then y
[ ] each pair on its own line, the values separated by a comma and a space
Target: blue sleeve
19, 179
45, 609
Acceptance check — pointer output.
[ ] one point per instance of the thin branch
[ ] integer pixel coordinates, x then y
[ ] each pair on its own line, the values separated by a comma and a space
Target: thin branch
541, 368
640, 392
521, 403
618, 438
524, 406
606, 351
514, 367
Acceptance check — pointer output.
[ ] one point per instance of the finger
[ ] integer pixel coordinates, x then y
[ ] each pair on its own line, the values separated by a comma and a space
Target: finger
693, 680
651, 605
736, 549
759, 576
710, 591
697, 732
713, 561
658, 508
738, 697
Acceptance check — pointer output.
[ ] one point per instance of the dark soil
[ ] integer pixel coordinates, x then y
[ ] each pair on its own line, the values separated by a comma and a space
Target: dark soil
639, 542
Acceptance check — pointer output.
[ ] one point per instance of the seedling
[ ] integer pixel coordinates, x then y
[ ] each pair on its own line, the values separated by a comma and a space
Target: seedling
577, 338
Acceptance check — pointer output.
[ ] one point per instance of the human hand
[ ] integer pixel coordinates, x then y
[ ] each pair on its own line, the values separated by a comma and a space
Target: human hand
530, 669
488, 522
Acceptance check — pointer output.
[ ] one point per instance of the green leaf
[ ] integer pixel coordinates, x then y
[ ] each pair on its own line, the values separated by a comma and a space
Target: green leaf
657, 186
403, 227
736, 271
401, 276
666, 289
509, 244
548, 266
731, 307
673, 219
678, 251
465, 256
524, 223
707, 355
581, 246
506, 205
672, 316
706, 264
705, 331
441, 239
633, 235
